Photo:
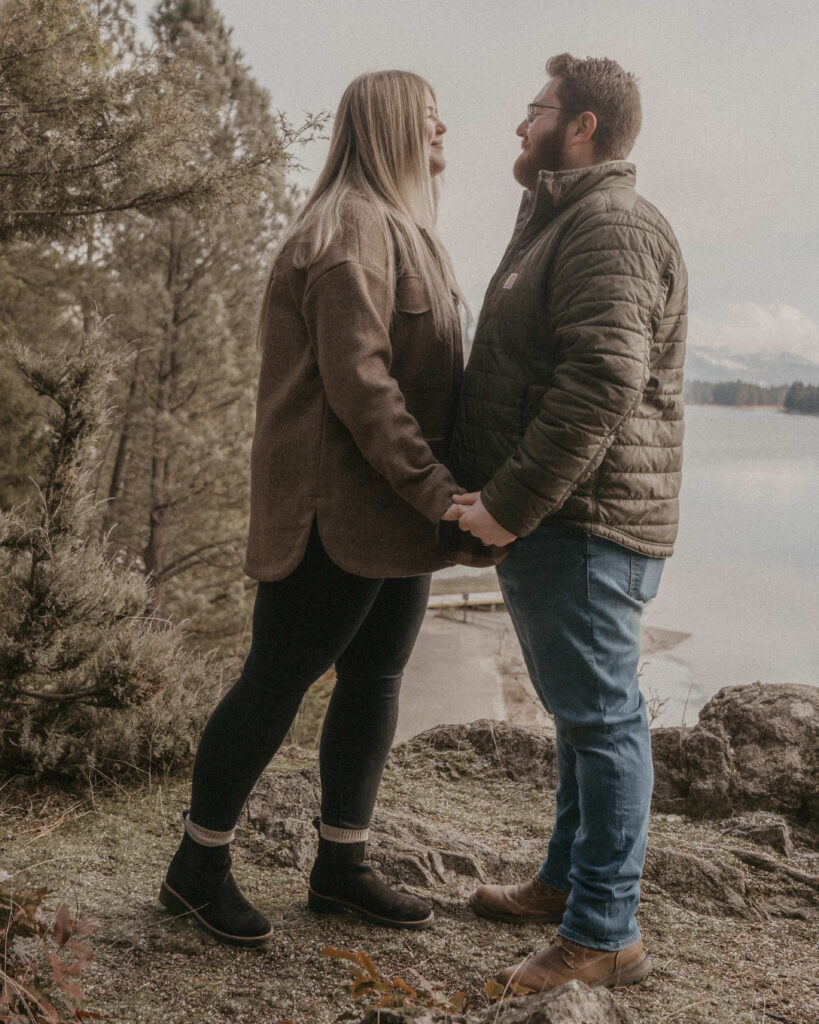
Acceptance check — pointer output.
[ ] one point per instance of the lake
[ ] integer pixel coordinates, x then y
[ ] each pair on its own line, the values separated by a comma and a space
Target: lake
744, 579
739, 601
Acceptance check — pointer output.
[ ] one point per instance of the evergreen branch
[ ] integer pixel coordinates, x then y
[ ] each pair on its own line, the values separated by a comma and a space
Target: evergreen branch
184, 562
67, 698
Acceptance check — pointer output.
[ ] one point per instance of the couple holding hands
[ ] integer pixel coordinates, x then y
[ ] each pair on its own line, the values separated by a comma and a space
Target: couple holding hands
377, 459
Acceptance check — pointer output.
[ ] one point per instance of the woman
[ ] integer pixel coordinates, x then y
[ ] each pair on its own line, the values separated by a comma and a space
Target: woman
361, 364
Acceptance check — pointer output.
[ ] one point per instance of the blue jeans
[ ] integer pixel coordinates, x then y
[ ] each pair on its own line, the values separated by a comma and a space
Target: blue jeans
576, 602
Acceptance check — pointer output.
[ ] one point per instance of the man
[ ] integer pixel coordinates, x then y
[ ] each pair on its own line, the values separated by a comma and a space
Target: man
570, 436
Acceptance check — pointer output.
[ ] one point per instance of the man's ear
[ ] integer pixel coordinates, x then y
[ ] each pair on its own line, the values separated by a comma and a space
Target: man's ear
582, 128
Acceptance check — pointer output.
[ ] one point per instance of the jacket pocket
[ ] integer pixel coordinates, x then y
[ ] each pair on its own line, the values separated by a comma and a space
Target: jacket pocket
411, 296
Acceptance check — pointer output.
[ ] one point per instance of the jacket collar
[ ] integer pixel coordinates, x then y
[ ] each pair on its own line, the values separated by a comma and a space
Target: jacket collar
559, 189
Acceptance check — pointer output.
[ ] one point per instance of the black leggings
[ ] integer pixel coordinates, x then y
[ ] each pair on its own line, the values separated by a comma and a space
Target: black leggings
317, 617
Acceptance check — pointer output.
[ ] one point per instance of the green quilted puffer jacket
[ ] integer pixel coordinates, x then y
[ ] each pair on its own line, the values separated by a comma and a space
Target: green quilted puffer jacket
572, 400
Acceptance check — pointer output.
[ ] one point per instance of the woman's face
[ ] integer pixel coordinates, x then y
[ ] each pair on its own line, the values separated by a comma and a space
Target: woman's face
435, 136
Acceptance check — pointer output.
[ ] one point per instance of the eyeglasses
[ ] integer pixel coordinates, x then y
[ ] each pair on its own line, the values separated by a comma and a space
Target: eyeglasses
530, 110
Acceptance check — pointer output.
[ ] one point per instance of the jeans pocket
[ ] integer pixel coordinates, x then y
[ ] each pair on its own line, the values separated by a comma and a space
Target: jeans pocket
645, 576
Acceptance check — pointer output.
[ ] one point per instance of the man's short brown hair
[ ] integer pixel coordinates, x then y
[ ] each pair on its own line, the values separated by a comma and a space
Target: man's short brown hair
610, 93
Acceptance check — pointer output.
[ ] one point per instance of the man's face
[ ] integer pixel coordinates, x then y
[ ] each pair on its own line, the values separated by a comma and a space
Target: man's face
543, 141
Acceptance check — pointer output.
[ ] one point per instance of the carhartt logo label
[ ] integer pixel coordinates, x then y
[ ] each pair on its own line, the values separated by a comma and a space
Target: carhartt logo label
510, 281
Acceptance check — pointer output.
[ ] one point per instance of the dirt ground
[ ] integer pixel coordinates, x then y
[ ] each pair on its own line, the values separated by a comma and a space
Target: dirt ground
106, 855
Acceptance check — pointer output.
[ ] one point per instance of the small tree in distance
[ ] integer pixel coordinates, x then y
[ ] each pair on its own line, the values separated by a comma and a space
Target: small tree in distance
92, 684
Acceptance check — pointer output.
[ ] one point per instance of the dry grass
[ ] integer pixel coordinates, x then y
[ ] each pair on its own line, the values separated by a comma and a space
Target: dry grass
107, 856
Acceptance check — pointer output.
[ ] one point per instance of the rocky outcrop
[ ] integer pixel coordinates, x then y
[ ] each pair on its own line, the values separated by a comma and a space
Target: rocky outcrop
423, 855
437, 861
709, 886
773, 833
754, 748
572, 1003
520, 752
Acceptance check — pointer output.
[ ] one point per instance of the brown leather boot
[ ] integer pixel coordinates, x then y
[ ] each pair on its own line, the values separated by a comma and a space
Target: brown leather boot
531, 901
569, 961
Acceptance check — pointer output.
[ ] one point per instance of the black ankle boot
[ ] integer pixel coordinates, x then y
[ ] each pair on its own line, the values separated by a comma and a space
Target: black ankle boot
340, 880
199, 886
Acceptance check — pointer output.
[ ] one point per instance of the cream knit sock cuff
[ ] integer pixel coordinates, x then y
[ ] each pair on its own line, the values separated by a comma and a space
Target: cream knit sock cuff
207, 836
344, 835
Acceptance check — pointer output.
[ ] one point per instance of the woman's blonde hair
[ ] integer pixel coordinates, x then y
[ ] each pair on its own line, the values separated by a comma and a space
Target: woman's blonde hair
378, 150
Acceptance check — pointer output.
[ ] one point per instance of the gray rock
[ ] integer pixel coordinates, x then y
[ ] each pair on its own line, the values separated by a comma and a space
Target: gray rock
795, 907
573, 1003
413, 1015
282, 808
774, 834
670, 779
731, 761
706, 886
754, 748
409, 850
526, 753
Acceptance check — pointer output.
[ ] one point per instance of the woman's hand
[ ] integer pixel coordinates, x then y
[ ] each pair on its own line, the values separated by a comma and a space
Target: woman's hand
473, 517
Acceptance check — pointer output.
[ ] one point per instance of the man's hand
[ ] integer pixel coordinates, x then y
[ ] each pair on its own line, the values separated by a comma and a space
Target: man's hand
474, 518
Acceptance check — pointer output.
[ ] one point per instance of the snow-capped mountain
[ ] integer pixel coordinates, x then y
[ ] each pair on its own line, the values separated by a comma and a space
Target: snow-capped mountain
769, 345
766, 368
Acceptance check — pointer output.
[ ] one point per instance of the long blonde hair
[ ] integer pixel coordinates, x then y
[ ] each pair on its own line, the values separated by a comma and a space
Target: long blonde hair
378, 150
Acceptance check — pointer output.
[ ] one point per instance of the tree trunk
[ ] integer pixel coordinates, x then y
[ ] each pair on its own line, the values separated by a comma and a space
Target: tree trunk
156, 551
122, 458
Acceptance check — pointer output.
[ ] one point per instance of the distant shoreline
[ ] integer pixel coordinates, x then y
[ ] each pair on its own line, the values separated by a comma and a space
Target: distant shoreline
751, 408
742, 394
748, 408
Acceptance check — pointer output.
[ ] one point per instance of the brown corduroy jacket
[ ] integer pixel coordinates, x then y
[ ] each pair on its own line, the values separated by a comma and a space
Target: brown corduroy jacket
355, 409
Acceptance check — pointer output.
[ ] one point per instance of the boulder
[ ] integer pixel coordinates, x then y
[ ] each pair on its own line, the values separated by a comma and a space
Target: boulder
410, 850
671, 783
413, 851
773, 833
524, 753
573, 1003
437, 861
704, 885
282, 808
754, 748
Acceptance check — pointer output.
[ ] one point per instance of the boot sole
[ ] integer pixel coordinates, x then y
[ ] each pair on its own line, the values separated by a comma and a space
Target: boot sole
180, 907
331, 905
549, 917
626, 975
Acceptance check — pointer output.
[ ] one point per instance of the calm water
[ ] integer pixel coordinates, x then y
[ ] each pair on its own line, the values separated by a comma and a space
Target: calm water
744, 580
739, 601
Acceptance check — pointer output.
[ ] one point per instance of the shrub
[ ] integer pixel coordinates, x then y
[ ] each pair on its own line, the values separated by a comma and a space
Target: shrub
92, 683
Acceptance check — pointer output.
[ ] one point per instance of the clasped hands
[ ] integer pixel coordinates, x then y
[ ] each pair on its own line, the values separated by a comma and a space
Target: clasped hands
472, 517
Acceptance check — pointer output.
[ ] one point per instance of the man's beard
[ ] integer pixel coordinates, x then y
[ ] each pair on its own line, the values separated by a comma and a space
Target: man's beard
546, 156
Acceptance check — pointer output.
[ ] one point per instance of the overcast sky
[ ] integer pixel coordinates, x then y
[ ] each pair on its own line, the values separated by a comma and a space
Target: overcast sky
729, 149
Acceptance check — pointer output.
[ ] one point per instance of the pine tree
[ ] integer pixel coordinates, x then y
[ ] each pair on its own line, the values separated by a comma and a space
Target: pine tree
92, 685
179, 467
90, 680
39, 306
92, 124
